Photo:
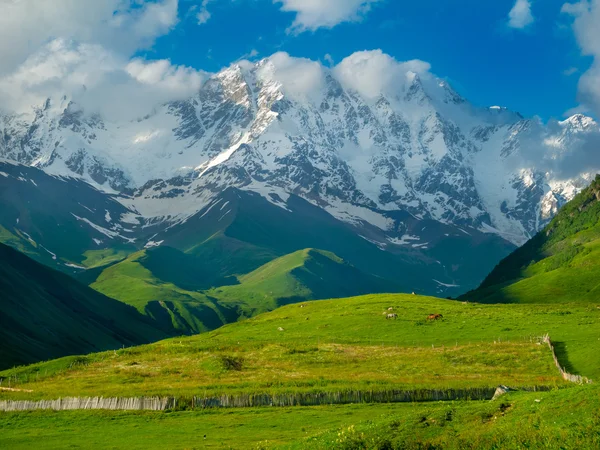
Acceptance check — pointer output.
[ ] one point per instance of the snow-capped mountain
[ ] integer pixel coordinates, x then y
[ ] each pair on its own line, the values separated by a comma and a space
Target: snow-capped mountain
419, 148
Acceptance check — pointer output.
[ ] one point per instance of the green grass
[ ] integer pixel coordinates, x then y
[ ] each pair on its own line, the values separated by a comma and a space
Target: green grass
104, 257
344, 344
560, 264
175, 310
21, 243
567, 419
300, 276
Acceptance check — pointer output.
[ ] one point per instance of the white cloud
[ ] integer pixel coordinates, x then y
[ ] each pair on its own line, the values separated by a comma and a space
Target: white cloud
368, 73
314, 14
586, 16
203, 15
122, 26
520, 15
82, 49
372, 73
181, 81
299, 77
98, 80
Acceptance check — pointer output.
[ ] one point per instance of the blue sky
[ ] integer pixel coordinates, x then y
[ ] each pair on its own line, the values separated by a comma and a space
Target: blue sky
534, 70
537, 57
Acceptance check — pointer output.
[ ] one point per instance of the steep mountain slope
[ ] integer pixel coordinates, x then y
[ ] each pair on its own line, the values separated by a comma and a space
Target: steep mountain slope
76, 228
176, 309
63, 222
560, 264
45, 314
184, 301
448, 261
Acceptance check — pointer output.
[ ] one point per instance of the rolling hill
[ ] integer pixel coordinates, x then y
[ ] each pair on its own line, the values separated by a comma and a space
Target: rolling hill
560, 264
176, 289
45, 314
300, 276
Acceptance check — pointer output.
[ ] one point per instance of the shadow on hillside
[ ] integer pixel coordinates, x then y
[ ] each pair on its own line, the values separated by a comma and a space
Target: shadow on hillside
560, 349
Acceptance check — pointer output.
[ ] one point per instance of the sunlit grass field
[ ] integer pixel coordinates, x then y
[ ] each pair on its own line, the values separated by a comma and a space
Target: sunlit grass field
338, 345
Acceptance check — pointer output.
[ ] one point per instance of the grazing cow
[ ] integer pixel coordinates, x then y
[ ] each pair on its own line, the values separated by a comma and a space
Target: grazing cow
434, 317
391, 316
390, 309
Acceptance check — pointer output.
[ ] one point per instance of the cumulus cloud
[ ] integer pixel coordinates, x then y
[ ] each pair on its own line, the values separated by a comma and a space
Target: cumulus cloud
586, 17
314, 14
520, 15
98, 80
372, 73
122, 26
82, 49
299, 77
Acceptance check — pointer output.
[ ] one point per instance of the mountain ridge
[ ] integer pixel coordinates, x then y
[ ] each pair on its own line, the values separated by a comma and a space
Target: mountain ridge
420, 148
402, 168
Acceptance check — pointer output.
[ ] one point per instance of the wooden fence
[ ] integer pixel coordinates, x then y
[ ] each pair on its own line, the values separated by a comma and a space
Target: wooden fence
71, 403
258, 400
342, 398
566, 375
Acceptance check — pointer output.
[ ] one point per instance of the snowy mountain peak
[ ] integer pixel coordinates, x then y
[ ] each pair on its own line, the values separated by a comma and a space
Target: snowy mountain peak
290, 126
580, 122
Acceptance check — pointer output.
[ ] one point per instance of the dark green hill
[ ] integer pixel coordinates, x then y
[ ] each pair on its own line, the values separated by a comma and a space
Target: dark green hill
46, 314
560, 264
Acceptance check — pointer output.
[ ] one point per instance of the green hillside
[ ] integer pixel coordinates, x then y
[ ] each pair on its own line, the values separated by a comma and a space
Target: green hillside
175, 309
175, 288
560, 264
340, 345
45, 314
304, 275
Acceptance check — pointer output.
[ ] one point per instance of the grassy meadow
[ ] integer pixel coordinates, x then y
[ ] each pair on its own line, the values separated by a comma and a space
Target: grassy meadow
338, 345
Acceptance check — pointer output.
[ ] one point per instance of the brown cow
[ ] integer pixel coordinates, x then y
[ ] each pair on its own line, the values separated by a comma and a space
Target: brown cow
434, 317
